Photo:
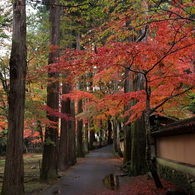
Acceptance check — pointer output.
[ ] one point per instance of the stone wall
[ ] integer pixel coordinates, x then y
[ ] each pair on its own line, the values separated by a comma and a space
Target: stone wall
181, 179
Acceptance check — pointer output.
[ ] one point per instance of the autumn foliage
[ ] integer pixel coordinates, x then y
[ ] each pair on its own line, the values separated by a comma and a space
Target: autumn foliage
165, 60
154, 40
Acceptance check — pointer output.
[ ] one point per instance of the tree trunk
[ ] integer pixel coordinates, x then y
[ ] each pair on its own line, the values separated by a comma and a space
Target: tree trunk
80, 151
92, 135
71, 137
64, 135
149, 160
109, 136
101, 134
116, 138
115, 146
138, 148
14, 165
49, 167
127, 127
86, 139
80, 144
89, 135
138, 135
67, 147
40, 130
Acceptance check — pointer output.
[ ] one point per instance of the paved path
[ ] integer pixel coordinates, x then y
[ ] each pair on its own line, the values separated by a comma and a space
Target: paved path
86, 178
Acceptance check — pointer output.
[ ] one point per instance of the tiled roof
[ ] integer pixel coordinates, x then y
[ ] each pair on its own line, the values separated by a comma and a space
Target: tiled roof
186, 126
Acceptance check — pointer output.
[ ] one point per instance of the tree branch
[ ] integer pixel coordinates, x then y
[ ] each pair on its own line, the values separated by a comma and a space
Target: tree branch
143, 34
168, 98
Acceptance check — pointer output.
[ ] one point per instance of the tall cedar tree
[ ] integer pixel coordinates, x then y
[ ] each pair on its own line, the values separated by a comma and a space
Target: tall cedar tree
14, 165
50, 153
67, 146
64, 131
80, 150
127, 127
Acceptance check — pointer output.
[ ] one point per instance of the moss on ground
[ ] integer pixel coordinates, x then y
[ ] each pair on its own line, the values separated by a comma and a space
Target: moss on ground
32, 185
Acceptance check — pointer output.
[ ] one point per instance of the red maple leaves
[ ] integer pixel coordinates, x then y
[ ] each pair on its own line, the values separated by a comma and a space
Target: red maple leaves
165, 60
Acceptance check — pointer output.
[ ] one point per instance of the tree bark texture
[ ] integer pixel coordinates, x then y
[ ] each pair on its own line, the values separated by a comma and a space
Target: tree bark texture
91, 140
80, 151
138, 148
80, 144
14, 166
116, 138
86, 139
49, 167
67, 146
138, 135
109, 135
149, 160
64, 135
127, 127
71, 136
101, 134
149, 141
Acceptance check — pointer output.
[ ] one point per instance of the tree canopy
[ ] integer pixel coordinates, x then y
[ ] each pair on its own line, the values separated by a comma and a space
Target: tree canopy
101, 45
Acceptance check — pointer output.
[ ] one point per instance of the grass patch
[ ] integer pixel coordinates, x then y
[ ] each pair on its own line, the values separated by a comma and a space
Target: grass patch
32, 163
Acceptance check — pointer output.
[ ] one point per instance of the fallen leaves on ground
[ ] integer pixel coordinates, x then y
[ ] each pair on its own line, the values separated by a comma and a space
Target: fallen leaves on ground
141, 185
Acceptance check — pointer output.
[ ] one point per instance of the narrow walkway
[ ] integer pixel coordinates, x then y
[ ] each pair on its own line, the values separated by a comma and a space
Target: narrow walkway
88, 178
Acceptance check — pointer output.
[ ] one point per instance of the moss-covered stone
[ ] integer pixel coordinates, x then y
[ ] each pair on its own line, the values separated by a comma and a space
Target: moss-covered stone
180, 179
